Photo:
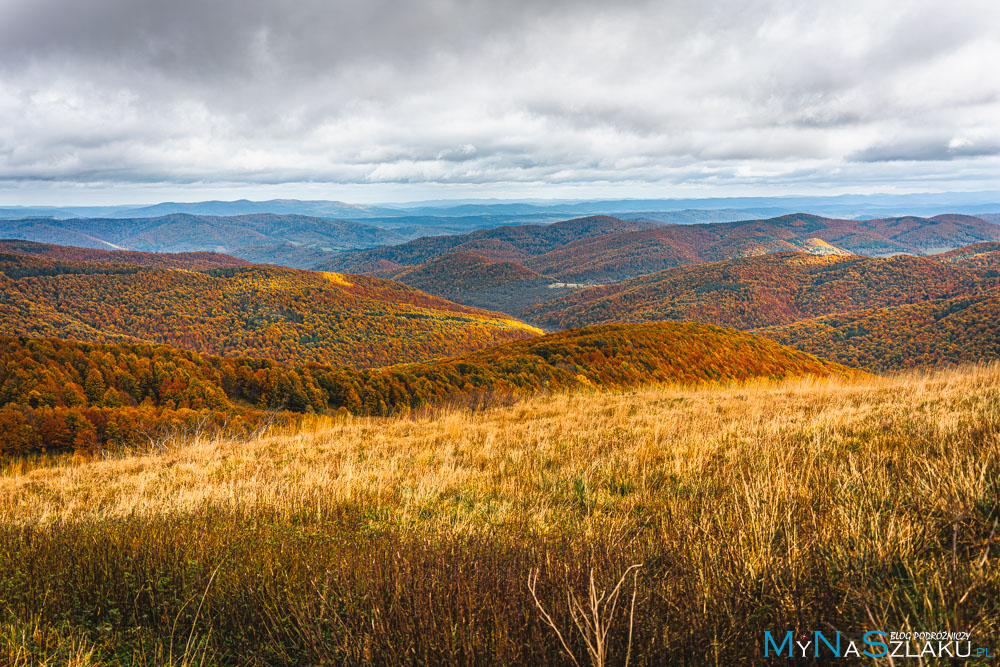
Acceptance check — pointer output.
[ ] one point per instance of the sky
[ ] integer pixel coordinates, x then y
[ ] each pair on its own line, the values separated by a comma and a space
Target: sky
138, 101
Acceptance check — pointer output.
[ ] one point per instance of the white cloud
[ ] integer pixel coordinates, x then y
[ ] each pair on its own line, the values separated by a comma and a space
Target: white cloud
720, 96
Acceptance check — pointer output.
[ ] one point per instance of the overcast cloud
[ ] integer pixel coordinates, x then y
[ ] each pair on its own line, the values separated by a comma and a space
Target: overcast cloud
500, 96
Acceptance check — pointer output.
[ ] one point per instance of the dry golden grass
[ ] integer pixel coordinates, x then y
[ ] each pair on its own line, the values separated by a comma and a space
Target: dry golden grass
804, 501
587, 456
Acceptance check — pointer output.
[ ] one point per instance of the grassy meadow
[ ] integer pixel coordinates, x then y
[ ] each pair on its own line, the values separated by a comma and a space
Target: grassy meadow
808, 504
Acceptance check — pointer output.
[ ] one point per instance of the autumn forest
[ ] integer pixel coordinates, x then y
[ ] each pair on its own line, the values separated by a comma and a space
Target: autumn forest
112, 348
286, 452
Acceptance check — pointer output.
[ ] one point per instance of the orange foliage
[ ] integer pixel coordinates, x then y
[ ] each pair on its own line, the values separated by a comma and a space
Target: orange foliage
768, 290
192, 261
934, 333
57, 394
283, 314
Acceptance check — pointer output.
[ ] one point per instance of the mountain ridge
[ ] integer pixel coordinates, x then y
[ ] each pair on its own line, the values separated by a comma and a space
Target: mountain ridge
183, 232
470, 278
614, 251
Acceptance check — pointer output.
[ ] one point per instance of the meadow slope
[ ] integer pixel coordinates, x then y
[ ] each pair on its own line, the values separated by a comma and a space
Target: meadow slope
833, 504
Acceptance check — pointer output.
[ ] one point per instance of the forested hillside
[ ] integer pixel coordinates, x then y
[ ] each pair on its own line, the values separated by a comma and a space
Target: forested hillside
621, 256
193, 261
977, 256
602, 249
58, 394
923, 335
501, 243
182, 232
771, 289
283, 314
469, 278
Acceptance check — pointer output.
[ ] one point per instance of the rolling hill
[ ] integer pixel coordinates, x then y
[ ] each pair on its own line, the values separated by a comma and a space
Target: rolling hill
58, 394
181, 232
192, 261
513, 243
284, 314
922, 335
469, 278
977, 256
620, 256
601, 249
765, 290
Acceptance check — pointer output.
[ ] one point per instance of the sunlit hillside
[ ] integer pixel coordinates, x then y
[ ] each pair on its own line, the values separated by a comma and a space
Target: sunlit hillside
766, 290
922, 335
192, 261
282, 314
58, 395
808, 503
979, 255
620, 256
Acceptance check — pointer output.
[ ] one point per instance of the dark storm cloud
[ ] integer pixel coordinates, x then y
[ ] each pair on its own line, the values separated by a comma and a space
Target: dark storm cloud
378, 91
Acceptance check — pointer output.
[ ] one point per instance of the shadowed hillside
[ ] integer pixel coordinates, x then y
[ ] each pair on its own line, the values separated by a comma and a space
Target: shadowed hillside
470, 278
284, 314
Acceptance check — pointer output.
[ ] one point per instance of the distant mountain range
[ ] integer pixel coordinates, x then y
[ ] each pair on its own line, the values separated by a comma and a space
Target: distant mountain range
320, 209
618, 257
194, 280
515, 243
182, 232
671, 210
312, 234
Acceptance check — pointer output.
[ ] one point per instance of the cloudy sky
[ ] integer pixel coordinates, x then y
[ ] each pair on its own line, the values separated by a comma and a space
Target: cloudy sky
385, 100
